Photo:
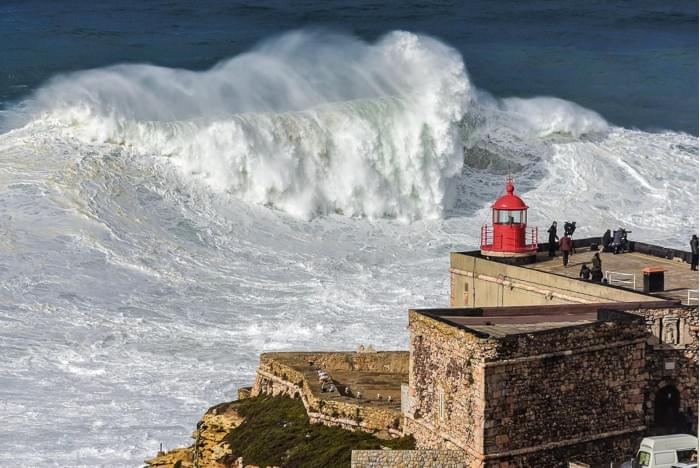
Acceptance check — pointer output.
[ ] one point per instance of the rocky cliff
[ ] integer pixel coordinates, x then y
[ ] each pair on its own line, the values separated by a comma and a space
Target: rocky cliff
209, 445
268, 431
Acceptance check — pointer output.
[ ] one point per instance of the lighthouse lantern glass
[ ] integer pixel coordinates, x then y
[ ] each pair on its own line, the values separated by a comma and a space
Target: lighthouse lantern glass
509, 216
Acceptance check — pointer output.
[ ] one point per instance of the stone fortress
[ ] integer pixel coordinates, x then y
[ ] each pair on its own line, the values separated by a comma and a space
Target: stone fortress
529, 366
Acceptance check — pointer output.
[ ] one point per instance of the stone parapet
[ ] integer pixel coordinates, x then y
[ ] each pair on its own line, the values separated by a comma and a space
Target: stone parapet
277, 378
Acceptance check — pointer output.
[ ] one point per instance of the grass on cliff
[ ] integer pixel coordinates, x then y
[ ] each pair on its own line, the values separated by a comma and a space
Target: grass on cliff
277, 432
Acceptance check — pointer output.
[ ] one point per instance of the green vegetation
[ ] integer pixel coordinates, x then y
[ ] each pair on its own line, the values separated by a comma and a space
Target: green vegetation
277, 431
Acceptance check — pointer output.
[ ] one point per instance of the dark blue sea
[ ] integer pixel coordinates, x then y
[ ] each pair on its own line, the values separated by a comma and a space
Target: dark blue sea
186, 185
635, 63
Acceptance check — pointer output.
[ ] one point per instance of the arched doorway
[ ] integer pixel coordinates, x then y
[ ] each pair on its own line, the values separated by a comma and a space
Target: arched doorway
667, 417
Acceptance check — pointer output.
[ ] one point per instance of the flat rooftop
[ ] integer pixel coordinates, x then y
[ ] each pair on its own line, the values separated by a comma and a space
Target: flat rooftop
678, 277
503, 326
500, 322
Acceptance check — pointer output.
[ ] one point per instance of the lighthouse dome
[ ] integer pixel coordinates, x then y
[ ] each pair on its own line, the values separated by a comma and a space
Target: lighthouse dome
509, 201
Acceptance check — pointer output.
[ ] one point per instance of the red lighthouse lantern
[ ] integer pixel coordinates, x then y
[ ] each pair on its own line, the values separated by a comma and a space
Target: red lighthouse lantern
508, 238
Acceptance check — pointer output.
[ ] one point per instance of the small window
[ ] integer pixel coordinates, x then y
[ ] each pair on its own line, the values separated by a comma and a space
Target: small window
664, 458
643, 458
687, 455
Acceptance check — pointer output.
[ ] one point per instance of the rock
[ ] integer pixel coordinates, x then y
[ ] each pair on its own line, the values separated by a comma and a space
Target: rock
208, 441
183, 456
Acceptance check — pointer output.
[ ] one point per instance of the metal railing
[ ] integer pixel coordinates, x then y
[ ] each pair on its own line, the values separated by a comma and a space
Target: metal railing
534, 237
487, 238
486, 235
617, 278
692, 296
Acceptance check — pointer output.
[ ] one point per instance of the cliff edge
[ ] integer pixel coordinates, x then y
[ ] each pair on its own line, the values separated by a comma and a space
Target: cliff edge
267, 431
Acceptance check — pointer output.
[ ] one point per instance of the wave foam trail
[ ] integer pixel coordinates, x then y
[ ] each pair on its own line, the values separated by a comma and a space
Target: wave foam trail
309, 123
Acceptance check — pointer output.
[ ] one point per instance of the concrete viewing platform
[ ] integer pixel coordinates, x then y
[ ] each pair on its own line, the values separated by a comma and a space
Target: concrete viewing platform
625, 270
482, 281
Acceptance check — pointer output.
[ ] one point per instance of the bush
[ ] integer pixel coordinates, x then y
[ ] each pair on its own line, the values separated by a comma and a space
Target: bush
277, 431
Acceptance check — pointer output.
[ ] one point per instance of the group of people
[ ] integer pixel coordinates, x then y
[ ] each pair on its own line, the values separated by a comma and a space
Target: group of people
615, 242
565, 244
595, 273
610, 242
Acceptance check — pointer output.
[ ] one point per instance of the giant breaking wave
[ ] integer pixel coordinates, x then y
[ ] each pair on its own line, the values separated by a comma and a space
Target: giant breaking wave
309, 123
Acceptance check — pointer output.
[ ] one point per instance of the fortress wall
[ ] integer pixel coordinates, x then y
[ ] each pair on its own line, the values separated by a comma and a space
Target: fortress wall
672, 358
478, 282
276, 378
375, 361
539, 398
446, 385
591, 388
408, 459
567, 341
598, 453
553, 457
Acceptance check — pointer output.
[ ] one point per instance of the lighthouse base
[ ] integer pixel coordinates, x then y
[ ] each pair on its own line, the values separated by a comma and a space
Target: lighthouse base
511, 258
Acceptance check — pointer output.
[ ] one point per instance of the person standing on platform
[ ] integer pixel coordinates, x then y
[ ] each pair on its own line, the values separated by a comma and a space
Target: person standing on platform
565, 244
596, 269
694, 253
553, 238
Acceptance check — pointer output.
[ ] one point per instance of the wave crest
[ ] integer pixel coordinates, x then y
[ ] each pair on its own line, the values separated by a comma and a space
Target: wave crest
310, 122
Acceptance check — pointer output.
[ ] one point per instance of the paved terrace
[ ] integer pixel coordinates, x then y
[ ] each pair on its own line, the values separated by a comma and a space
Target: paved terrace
678, 278
344, 373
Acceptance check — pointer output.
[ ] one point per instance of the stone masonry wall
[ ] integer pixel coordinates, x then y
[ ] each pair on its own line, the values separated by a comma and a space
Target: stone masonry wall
593, 390
596, 454
539, 398
275, 378
445, 367
408, 459
672, 358
556, 340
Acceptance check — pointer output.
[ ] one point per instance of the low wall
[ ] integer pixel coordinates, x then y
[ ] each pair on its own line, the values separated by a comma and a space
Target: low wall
274, 378
601, 453
408, 459
395, 362
595, 453
479, 282
634, 246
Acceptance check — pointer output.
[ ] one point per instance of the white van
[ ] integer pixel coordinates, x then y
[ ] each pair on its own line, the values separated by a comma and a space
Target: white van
665, 451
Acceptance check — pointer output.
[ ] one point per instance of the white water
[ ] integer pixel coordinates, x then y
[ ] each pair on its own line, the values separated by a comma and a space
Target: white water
160, 228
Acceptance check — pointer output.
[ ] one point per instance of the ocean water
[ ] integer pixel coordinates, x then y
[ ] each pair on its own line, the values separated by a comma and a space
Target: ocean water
184, 188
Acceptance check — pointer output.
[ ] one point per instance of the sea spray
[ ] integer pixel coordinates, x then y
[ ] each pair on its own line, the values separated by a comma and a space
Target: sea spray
310, 122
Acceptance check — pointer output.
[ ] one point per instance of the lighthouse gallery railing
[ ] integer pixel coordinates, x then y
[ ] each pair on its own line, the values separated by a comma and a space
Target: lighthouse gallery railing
488, 241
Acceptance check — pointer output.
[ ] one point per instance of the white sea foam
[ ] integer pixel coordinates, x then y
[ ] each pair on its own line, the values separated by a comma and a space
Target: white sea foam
141, 273
307, 124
